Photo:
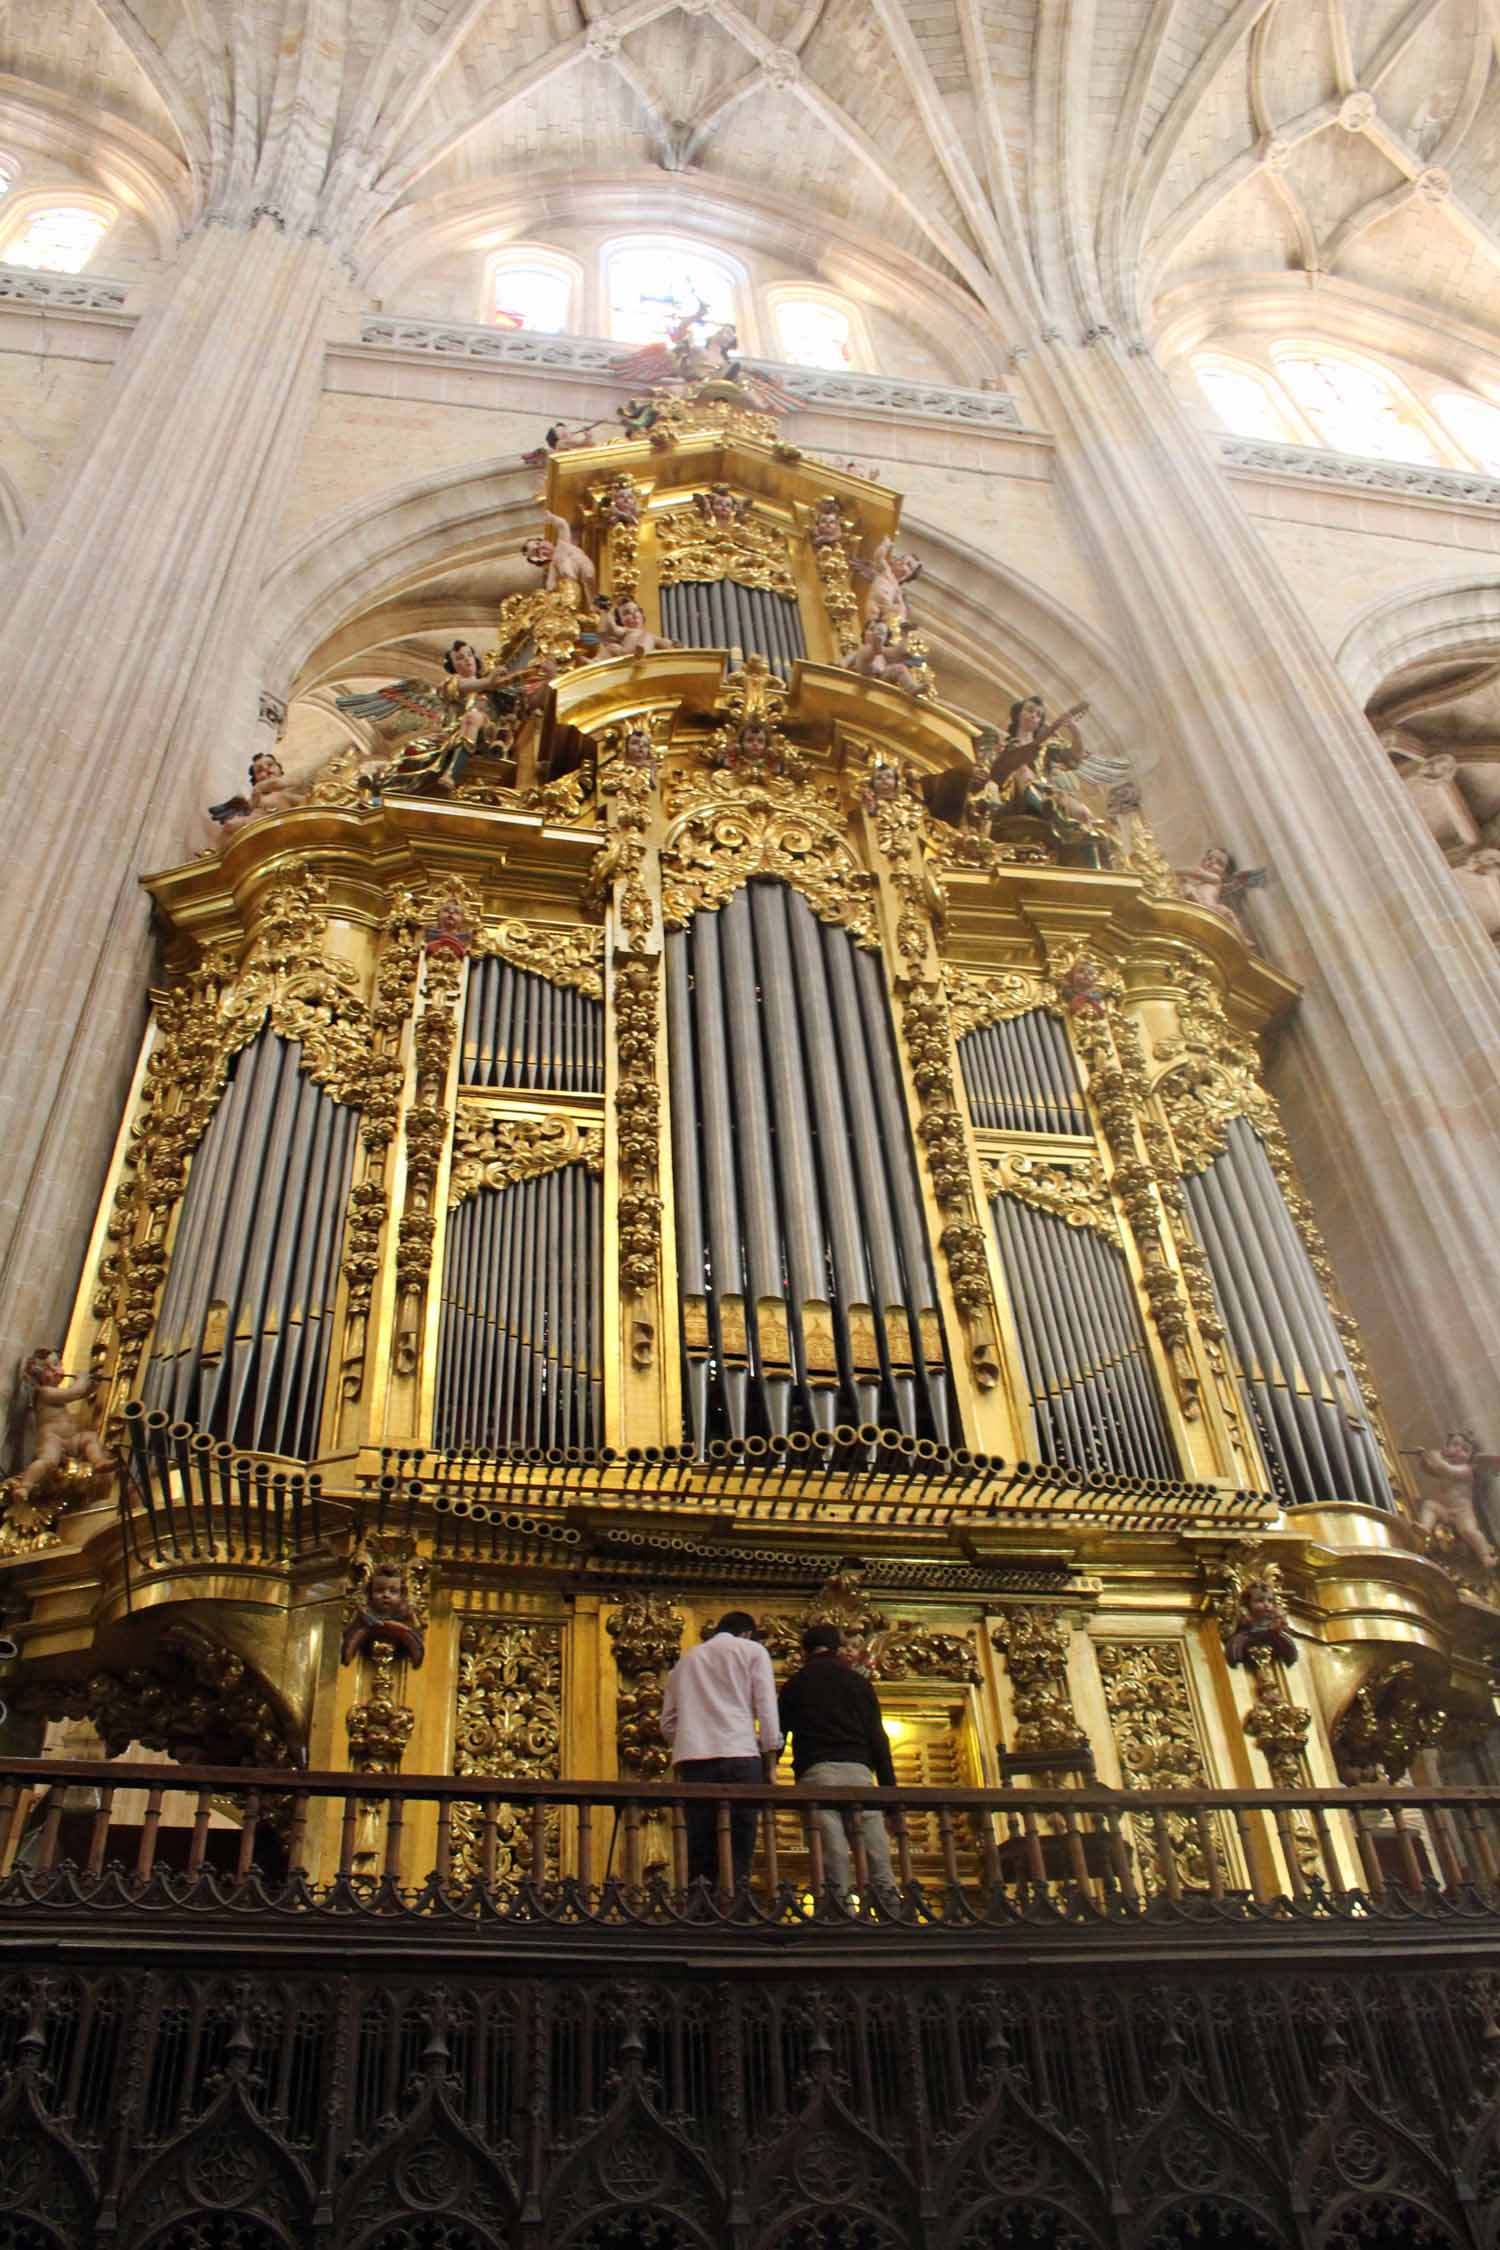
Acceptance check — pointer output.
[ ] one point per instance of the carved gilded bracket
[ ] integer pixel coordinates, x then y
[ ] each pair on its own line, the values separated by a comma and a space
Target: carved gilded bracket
497, 1152
1073, 1189
562, 953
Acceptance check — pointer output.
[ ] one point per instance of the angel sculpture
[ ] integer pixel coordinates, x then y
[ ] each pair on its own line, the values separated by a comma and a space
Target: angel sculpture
464, 714
886, 573
828, 524
563, 437
380, 1609
720, 505
624, 632
1456, 1472
1035, 772
1260, 1626
683, 359
1219, 885
59, 1438
562, 559
450, 932
884, 655
270, 792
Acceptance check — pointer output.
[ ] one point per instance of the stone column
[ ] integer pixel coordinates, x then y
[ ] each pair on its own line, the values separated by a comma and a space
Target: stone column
127, 610
1391, 1071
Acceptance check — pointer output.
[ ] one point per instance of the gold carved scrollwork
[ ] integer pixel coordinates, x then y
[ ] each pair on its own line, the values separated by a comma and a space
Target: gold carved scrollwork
1156, 1736
889, 793
1033, 1639
627, 766
1119, 1086
638, 1118
1384, 1726
975, 1000
745, 547
909, 1650
647, 1635
940, 1129
1070, 1190
710, 854
833, 537
561, 953
508, 1724
496, 1152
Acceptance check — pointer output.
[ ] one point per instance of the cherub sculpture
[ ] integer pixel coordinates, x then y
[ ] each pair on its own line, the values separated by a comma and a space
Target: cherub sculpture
884, 655
886, 574
828, 525
465, 714
1036, 771
1219, 885
1455, 1473
624, 632
1260, 1625
620, 503
380, 1609
270, 792
449, 932
59, 1437
720, 505
562, 559
563, 437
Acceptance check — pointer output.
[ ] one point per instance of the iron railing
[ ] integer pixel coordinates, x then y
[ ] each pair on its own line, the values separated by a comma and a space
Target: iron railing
474, 1848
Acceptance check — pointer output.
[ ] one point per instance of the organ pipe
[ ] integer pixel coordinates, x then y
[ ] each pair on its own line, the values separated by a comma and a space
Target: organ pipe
242, 1339
1092, 1389
1289, 1356
523, 1031
518, 1352
723, 614
794, 1179
1020, 1076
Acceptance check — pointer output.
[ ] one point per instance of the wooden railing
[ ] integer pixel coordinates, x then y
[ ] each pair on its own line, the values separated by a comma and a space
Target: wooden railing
343, 1845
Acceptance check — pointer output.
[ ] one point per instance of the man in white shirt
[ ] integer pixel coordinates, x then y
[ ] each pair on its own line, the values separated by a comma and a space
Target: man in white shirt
719, 1716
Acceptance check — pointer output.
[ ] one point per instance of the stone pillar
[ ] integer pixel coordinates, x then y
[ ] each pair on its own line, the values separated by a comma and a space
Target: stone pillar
128, 608
1391, 1071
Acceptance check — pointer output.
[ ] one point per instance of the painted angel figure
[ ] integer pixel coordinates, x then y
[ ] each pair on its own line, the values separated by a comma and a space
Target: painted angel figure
561, 558
1037, 771
884, 655
1455, 1474
1217, 883
59, 1436
720, 505
459, 717
562, 437
886, 574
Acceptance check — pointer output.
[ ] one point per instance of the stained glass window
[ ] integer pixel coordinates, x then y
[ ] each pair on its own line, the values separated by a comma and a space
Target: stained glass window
1474, 423
813, 333
1244, 403
61, 239
1355, 408
654, 284
525, 295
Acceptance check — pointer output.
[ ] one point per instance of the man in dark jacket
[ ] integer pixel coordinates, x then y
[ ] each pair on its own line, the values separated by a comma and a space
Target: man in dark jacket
832, 1715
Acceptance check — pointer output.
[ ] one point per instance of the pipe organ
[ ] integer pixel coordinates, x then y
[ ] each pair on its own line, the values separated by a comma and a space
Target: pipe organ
693, 1140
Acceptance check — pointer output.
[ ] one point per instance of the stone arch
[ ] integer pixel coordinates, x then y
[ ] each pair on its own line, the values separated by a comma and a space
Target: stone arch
1453, 619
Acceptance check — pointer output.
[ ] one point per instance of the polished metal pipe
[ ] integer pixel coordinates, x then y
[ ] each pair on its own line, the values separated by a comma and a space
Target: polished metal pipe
230, 1197
721, 1193
801, 1216
317, 1343
1124, 1345
199, 1206
752, 1142
318, 1209
244, 1340
1251, 1344
1267, 1307
297, 1217
1055, 1435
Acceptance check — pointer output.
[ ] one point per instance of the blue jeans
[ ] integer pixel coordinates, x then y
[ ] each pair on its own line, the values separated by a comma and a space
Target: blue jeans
703, 1820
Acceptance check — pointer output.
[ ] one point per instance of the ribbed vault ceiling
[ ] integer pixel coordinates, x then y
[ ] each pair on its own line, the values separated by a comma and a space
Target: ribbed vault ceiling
1067, 160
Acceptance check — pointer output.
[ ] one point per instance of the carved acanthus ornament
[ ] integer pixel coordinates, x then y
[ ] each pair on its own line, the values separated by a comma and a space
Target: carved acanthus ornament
627, 787
638, 1118
748, 548
617, 506
1156, 1737
1385, 1725
507, 1723
940, 1129
196, 1699
906, 1651
562, 953
647, 1635
833, 540
428, 1124
1248, 1600
1033, 1638
975, 1000
681, 419
201, 1024
1073, 1190
744, 831
891, 799
496, 1152
1109, 1046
